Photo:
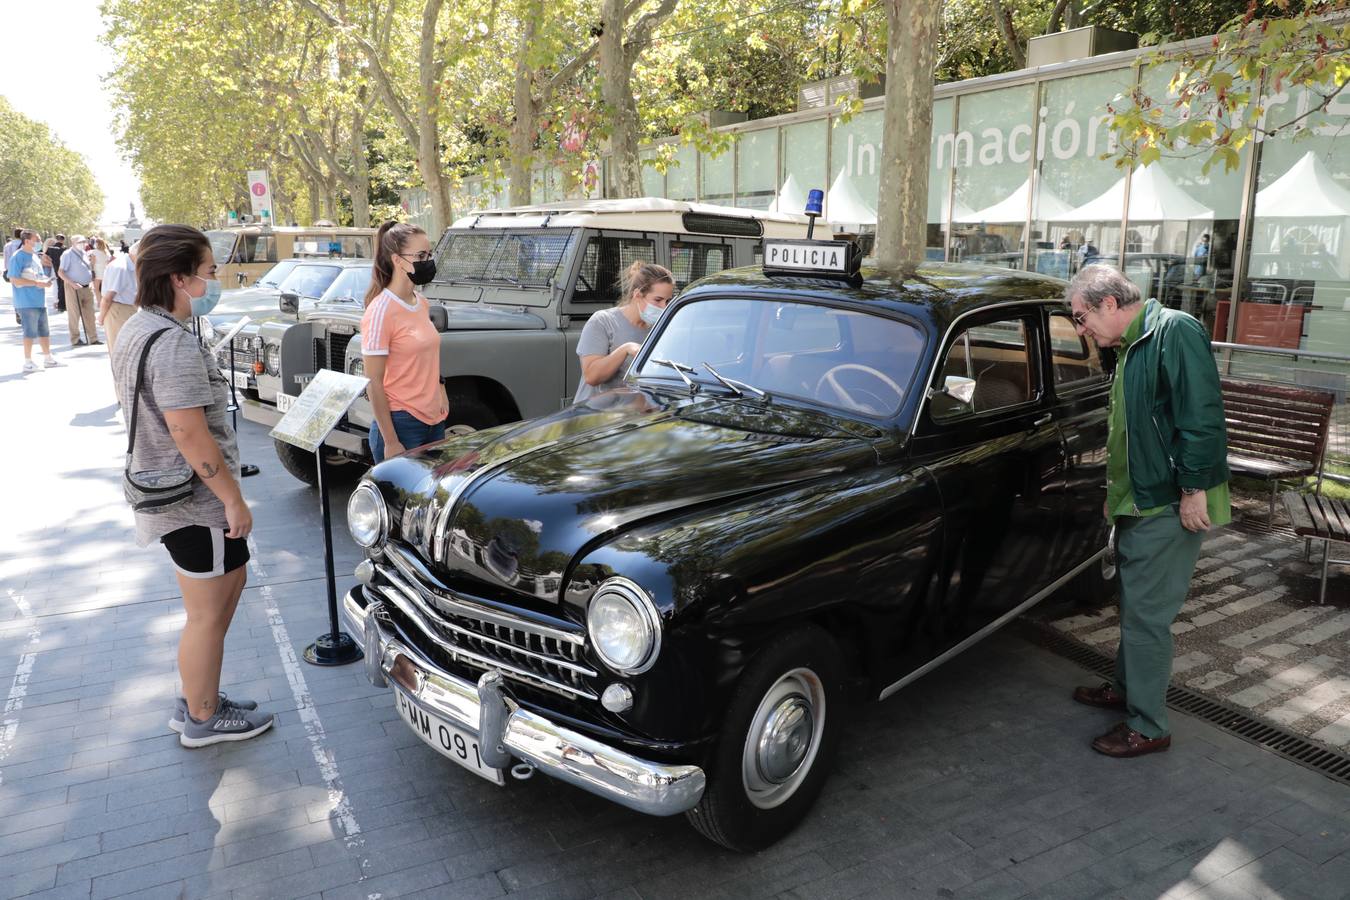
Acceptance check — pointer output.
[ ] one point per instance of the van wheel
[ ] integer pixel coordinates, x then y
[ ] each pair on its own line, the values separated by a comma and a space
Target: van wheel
303, 465
470, 411
776, 744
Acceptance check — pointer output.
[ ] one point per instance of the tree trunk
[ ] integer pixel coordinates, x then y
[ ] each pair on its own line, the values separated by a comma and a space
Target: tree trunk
314, 190
616, 68
902, 204
523, 127
1003, 19
360, 177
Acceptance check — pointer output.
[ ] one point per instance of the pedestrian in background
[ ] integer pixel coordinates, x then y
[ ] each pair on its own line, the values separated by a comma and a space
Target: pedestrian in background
118, 300
30, 284
400, 347
11, 246
98, 259
79, 278
182, 417
1167, 484
56, 248
611, 337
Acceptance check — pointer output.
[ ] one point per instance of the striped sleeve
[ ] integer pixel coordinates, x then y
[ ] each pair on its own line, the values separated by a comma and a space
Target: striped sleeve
376, 326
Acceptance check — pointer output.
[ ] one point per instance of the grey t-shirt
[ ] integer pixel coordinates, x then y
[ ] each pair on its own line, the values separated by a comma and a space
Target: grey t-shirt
179, 374
603, 332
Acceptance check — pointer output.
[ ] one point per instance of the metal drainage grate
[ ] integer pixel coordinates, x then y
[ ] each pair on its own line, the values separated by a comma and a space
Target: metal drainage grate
1260, 526
1332, 763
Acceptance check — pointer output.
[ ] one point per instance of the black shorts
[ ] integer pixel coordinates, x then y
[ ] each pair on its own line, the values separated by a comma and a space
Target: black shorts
201, 552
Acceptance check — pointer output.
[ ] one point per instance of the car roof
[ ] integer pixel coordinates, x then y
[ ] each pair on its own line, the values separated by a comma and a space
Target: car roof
637, 214
934, 292
340, 263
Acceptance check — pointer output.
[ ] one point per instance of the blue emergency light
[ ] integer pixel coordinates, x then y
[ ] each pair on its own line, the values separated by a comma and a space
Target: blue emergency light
815, 203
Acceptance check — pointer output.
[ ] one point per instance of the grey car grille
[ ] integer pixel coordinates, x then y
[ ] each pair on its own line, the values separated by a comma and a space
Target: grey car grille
453, 630
244, 357
331, 352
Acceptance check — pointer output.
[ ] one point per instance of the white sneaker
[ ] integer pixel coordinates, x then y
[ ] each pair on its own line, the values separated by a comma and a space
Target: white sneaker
51, 363
29, 366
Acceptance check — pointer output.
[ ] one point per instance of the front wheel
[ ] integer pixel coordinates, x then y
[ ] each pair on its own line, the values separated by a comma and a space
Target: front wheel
776, 744
304, 465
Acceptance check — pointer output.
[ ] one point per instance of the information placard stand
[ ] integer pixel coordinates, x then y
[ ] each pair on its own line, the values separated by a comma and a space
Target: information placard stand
306, 425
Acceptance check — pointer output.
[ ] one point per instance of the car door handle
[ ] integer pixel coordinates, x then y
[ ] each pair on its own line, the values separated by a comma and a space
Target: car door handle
1043, 420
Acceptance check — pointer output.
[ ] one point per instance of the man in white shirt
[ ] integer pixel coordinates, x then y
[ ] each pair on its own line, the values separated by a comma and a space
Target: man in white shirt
119, 295
75, 272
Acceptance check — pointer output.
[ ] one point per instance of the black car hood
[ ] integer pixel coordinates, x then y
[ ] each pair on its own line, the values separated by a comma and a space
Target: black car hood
507, 511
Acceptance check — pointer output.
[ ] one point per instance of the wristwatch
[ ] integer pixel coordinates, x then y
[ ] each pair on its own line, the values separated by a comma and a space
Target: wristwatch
1188, 491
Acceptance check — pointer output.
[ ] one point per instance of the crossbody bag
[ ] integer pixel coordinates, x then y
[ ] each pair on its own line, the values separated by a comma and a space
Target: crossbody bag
153, 490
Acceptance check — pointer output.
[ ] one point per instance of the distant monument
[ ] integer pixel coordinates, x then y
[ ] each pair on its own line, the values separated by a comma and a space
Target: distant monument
133, 231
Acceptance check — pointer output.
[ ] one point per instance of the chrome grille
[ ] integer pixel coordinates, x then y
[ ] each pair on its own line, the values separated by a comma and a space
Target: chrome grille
337, 352
521, 650
244, 357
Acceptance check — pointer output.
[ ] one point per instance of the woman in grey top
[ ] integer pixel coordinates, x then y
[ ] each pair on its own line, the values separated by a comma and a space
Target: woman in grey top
612, 336
181, 417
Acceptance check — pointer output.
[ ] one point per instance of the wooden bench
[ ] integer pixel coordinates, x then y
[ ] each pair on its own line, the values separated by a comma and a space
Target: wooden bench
1276, 433
1319, 519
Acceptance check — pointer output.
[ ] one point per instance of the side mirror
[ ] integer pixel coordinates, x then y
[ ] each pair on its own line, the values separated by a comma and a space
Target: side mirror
289, 303
241, 277
959, 388
440, 319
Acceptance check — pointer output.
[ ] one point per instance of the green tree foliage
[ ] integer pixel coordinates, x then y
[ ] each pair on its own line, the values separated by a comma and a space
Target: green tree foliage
43, 183
1218, 95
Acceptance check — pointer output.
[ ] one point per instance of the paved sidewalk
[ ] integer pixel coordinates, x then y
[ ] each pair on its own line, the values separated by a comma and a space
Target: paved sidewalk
974, 782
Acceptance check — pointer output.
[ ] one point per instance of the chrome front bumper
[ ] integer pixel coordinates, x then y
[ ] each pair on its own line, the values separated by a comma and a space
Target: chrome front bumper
507, 731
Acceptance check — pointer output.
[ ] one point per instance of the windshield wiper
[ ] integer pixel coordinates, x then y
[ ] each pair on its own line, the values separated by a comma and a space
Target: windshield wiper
680, 369
737, 387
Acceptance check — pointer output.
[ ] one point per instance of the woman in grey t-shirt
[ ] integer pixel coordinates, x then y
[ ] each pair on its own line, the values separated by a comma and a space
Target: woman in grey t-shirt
181, 417
612, 336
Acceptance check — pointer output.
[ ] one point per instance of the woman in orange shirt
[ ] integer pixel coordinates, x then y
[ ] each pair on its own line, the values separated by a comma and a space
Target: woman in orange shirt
400, 346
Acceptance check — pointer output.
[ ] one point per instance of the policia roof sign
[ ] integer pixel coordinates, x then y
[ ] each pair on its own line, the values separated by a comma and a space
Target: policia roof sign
820, 259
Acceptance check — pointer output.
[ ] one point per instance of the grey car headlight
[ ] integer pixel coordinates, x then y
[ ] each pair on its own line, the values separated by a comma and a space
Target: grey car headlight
357, 367
367, 516
624, 626
272, 358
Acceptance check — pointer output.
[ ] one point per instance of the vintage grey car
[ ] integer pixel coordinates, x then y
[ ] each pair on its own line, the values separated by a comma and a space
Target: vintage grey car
513, 289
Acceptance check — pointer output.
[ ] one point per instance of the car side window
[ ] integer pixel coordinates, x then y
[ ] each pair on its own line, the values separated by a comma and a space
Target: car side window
988, 367
1073, 359
691, 261
602, 263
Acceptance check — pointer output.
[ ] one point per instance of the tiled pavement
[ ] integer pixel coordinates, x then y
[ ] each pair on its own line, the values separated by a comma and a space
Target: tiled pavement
974, 782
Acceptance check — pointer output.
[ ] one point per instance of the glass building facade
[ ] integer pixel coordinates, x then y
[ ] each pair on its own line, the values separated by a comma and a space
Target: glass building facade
1260, 254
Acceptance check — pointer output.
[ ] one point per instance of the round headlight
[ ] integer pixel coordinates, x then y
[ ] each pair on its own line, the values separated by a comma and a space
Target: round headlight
257, 343
367, 516
624, 626
272, 358
357, 367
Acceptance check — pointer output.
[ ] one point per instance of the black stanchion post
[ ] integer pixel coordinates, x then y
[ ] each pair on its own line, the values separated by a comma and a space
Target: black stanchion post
245, 469
334, 648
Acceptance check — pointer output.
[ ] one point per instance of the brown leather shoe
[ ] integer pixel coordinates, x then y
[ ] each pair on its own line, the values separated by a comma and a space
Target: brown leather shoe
1105, 696
1123, 742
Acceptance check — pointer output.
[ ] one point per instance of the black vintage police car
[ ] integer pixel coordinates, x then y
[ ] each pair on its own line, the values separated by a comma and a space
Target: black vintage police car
818, 480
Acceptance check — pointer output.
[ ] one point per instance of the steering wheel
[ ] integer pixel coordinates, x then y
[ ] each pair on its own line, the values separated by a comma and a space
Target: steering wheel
852, 398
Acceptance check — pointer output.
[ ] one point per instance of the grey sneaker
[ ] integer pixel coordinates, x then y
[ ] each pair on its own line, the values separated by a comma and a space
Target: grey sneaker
29, 366
230, 723
180, 710
52, 362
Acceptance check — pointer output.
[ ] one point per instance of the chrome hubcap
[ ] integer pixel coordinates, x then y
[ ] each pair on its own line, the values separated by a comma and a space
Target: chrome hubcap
783, 738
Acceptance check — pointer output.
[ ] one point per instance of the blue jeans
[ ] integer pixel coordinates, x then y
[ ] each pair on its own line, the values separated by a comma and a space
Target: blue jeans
34, 322
412, 432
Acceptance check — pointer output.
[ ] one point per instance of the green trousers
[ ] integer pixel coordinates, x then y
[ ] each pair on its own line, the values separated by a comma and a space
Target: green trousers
1156, 557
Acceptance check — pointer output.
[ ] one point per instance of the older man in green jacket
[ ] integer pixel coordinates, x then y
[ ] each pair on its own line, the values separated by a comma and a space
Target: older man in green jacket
1167, 484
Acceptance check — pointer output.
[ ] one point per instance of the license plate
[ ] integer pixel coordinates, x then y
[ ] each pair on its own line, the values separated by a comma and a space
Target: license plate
241, 380
447, 740
284, 402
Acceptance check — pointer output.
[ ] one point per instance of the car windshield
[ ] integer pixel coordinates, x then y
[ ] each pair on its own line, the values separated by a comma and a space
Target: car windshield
853, 361
275, 275
350, 285
222, 245
513, 257
310, 280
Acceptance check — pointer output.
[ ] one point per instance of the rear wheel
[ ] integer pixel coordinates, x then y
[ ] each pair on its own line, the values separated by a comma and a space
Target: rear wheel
777, 743
1097, 585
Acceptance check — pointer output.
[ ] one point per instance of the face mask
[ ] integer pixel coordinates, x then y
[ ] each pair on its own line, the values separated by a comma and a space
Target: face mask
651, 314
206, 302
423, 271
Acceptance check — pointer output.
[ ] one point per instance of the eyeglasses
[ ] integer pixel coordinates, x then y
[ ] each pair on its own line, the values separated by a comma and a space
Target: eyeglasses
1080, 319
420, 256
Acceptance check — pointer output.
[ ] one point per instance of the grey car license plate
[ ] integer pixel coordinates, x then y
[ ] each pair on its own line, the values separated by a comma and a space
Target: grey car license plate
446, 739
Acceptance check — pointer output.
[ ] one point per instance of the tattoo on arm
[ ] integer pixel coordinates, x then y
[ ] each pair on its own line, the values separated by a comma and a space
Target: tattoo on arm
208, 470
177, 429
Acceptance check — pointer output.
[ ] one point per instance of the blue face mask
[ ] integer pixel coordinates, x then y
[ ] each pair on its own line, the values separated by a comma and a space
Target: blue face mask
203, 305
651, 314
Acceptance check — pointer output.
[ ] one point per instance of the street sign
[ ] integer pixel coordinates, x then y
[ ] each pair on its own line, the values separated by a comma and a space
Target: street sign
317, 410
259, 192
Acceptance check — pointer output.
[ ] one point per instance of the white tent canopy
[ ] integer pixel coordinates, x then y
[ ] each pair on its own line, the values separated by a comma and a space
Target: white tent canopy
1306, 191
791, 198
845, 206
1154, 197
1013, 208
